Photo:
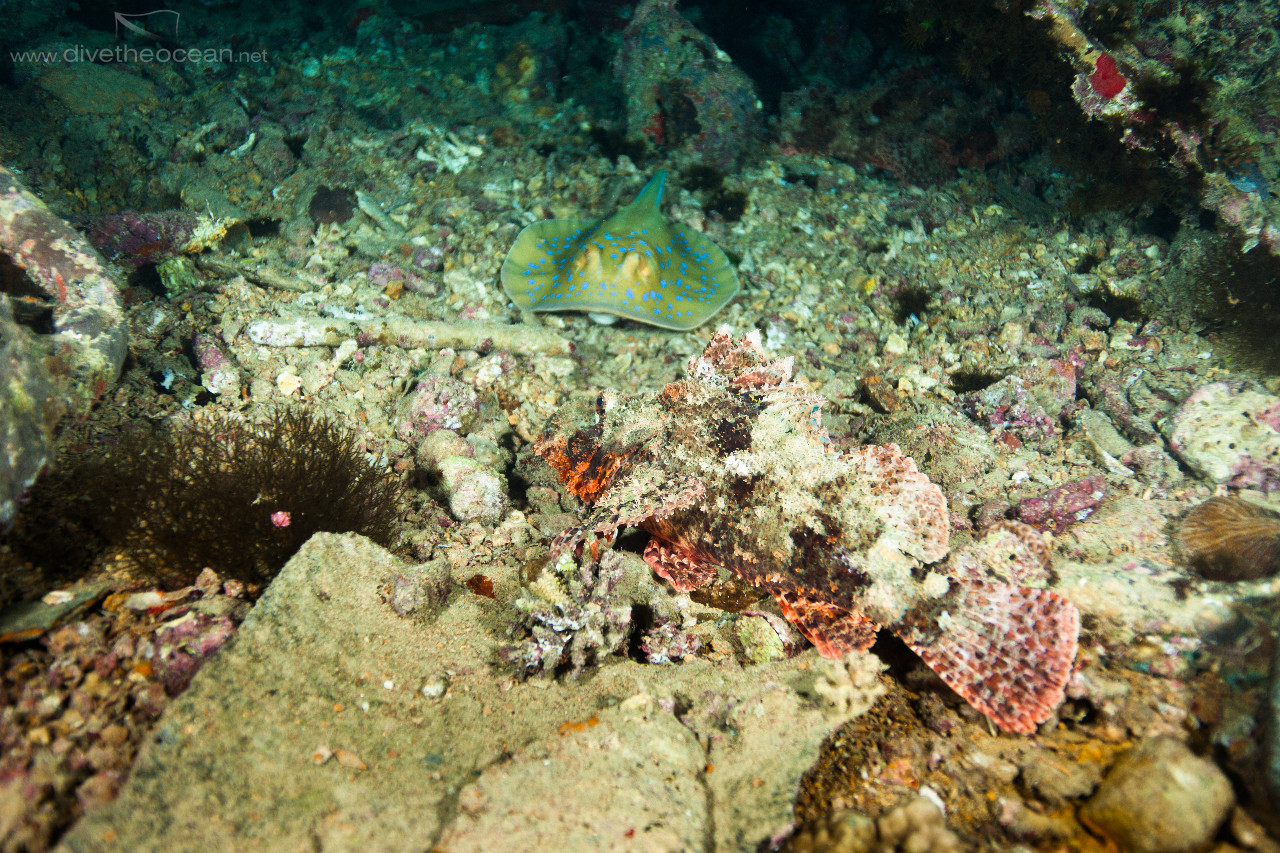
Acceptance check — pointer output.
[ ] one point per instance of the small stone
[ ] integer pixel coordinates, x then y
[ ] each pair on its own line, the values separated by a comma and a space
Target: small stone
474, 491
895, 344
1011, 335
760, 642
98, 790
543, 499
1062, 506
1159, 797
288, 383
436, 403
115, 734
1059, 781
422, 588
880, 393
441, 444
994, 766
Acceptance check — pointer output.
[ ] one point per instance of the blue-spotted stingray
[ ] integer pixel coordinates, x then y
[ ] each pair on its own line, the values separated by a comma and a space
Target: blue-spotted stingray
635, 264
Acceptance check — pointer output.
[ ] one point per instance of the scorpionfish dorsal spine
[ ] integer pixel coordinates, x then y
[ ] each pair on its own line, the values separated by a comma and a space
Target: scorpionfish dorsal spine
635, 264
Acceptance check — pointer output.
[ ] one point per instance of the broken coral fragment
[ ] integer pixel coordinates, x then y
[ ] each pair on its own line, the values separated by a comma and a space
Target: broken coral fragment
635, 264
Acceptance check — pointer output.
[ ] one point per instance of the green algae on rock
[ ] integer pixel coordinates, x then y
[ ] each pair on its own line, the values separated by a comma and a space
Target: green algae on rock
634, 264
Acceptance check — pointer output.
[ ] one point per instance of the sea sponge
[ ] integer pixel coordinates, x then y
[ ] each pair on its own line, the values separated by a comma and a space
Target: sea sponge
1229, 539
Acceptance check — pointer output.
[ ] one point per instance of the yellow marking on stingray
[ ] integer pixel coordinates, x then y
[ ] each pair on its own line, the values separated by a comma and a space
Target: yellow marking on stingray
635, 264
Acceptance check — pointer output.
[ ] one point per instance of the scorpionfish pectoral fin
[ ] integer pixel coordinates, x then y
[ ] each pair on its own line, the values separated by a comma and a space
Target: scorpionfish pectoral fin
833, 630
1007, 650
685, 570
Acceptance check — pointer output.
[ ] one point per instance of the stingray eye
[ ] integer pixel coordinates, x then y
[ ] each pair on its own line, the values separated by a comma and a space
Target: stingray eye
600, 407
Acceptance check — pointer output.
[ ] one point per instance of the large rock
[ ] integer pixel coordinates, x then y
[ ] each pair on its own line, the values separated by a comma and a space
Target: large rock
629, 779
682, 92
1159, 797
1229, 436
44, 376
331, 723
27, 413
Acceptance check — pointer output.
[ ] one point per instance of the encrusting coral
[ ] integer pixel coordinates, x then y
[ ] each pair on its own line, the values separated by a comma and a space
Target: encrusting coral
850, 685
579, 612
575, 614
1229, 539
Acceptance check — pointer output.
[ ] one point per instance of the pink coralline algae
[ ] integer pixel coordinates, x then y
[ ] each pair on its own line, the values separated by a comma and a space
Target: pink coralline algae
1063, 506
382, 274
429, 258
1025, 405
182, 647
218, 373
668, 643
138, 239
438, 402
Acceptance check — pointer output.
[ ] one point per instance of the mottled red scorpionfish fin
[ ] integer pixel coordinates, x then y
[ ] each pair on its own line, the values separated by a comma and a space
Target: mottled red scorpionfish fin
833, 630
1007, 650
683, 569
585, 468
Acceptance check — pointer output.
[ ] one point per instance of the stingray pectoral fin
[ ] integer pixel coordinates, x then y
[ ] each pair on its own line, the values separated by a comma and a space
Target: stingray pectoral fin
535, 266
683, 569
1007, 650
833, 630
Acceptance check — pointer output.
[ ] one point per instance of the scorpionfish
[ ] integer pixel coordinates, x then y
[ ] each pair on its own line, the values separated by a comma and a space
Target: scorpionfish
730, 467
